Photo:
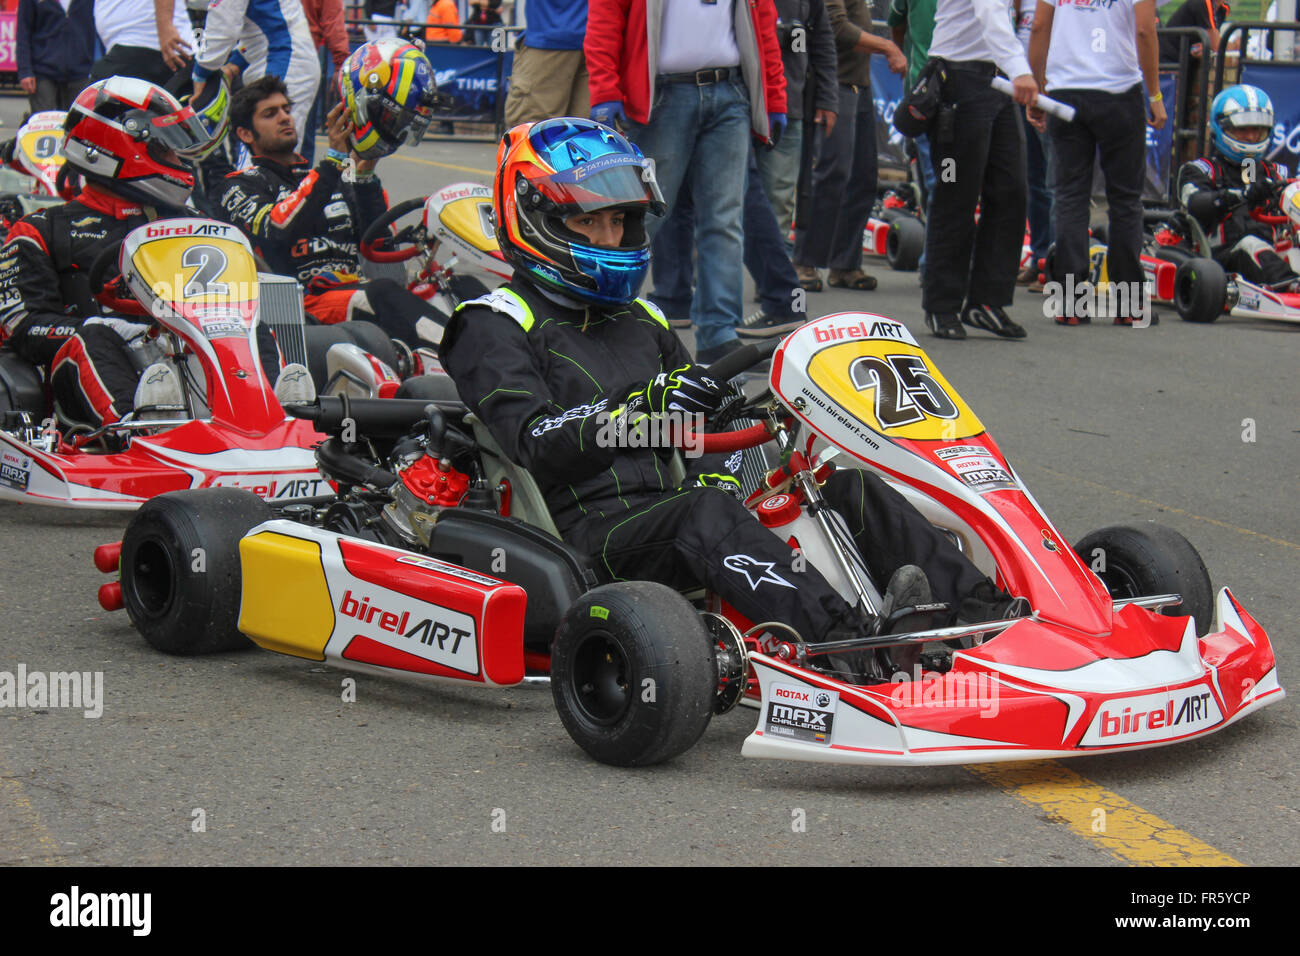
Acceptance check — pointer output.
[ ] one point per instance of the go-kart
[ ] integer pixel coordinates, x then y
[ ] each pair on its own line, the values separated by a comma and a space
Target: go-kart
457, 217
198, 281
437, 559
34, 173
895, 230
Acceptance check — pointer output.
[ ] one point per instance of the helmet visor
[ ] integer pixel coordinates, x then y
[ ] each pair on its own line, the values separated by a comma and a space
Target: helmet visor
603, 182
182, 132
1249, 134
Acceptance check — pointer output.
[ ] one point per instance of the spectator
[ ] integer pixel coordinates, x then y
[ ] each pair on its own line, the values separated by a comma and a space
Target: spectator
261, 38
844, 174
1206, 14
1038, 157
325, 20
550, 71
484, 13
129, 32
1103, 82
703, 110
446, 14
978, 154
54, 47
915, 20
807, 44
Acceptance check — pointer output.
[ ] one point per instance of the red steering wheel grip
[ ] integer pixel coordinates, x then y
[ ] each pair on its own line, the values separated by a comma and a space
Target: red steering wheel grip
376, 238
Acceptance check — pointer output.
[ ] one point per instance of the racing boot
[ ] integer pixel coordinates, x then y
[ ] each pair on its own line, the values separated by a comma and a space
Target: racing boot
294, 385
159, 394
908, 587
987, 602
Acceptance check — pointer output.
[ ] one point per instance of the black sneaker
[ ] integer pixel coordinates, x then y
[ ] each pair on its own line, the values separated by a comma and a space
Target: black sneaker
760, 325
991, 318
945, 325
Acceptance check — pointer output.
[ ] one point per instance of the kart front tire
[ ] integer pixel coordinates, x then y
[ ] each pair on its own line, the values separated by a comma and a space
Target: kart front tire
904, 244
1200, 290
1147, 560
633, 673
180, 568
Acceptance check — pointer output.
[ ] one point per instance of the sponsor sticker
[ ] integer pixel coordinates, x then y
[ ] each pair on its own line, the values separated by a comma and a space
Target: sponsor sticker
977, 468
277, 487
15, 470
435, 633
799, 712
455, 570
1147, 717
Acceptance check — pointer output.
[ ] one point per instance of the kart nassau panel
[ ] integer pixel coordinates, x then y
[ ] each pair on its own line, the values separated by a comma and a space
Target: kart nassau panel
278, 466
199, 279
868, 387
875, 237
39, 149
1034, 691
318, 595
1257, 302
460, 216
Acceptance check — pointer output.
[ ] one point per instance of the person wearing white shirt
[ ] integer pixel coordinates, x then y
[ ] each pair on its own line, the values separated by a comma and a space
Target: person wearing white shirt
1096, 56
978, 156
128, 31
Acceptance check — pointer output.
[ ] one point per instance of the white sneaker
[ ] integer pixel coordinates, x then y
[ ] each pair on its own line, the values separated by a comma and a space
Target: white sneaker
294, 385
159, 393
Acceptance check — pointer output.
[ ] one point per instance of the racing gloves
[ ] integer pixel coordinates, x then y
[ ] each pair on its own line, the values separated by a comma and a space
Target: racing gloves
687, 389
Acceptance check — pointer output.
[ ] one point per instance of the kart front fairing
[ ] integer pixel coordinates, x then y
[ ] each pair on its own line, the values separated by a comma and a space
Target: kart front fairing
1084, 674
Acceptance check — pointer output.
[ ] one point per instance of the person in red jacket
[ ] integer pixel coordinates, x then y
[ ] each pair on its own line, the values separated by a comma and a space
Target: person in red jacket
717, 74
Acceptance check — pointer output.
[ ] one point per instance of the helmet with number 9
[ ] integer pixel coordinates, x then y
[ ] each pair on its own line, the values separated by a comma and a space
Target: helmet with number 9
1241, 123
136, 139
390, 95
557, 168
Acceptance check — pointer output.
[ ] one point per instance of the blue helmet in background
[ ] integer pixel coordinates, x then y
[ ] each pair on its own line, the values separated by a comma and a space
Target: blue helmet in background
1241, 123
549, 171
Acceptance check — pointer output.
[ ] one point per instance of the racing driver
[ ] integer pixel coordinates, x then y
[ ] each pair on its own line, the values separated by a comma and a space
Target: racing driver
308, 223
572, 348
128, 138
1221, 190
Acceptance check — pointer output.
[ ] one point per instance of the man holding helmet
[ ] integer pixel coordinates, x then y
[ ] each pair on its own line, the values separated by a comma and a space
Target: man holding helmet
1220, 191
573, 351
133, 143
307, 222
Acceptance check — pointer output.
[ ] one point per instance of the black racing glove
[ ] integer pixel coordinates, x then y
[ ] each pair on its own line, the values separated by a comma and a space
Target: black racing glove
728, 483
687, 389
1261, 192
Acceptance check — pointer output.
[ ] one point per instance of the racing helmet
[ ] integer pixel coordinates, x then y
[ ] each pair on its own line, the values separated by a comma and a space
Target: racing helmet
390, 95
213, 111
1241, 123
554, 169
135, 138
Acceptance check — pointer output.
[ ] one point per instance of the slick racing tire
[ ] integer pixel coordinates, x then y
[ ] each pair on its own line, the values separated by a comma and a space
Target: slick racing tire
904, 244
180, 568
1152, 559
1200, 290
633, 673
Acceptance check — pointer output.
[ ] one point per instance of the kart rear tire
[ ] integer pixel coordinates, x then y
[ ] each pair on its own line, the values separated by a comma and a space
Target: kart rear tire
1200, 290
184, 600
1151, 559
618, 645
904, 244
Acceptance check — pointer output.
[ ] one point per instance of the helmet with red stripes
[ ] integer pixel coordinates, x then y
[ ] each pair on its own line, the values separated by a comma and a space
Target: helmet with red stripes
390, 95
136, 139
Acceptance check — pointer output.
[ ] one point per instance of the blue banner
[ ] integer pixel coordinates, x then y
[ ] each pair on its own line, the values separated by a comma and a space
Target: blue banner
1281, 81
469, 74
887, 90
1160, 144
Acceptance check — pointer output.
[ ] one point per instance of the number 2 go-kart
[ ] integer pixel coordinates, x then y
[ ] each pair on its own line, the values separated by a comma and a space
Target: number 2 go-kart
403, 573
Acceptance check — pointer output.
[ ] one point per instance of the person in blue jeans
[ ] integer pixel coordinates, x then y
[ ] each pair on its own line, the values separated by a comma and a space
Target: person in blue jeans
766, 259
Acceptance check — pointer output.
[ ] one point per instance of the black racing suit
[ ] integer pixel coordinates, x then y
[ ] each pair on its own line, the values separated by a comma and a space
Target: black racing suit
307, 223
1213, 191
545, 377
49, 317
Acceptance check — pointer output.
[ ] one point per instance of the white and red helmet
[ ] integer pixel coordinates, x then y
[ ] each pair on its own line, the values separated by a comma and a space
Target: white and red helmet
135, 138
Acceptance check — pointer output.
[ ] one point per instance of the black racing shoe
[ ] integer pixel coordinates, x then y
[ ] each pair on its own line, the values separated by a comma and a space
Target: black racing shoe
987, 602
991, 318
945, 325
908, 587
761, 325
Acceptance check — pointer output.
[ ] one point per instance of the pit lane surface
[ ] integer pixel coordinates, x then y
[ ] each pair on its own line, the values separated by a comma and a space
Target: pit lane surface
1106, 425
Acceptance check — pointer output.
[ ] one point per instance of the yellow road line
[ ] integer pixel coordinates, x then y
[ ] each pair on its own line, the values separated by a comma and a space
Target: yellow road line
1147, 501
1122, 829
16, 807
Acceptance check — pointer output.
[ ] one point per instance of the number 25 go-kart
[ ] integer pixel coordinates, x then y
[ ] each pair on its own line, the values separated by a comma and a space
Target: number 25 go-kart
438, 560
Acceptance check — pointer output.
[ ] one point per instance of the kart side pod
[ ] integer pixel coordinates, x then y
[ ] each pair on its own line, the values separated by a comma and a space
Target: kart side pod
318, 595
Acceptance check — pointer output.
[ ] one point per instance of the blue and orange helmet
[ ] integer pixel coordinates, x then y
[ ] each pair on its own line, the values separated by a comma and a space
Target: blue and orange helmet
390, 94
557, 168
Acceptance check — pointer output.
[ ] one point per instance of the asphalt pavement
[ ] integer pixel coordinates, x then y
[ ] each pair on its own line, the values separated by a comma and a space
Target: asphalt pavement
257, 759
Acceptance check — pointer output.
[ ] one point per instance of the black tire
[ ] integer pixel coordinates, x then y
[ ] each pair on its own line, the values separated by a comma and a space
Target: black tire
179, 605
1200, 290
904, 244
615, 645
1151, 560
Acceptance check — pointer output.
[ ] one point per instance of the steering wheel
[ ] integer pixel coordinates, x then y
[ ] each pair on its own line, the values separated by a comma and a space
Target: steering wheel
378, 246
106, 290
1270, 219
729, 366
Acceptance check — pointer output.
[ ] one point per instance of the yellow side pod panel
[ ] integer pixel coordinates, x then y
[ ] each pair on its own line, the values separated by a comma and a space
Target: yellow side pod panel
286, 603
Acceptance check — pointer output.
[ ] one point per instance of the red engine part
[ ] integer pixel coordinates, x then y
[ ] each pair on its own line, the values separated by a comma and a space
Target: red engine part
434, 481
779, 509
1167, 237
893, 201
